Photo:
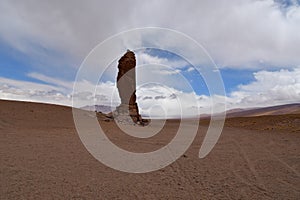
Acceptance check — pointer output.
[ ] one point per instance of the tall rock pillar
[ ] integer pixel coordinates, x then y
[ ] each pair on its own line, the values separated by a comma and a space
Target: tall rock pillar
126, 83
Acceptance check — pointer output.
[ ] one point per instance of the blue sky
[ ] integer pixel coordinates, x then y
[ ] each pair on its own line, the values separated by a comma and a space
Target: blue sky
15, 65
255, 45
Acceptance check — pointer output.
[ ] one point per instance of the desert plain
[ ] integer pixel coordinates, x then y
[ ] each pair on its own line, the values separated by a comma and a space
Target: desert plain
42, 157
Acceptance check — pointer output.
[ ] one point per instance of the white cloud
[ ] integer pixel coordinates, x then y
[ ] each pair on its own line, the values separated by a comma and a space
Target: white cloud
153, 99
60, 93
29, 91
236, 33
50, 80
167, 71
144, 58
269, 88
190, 69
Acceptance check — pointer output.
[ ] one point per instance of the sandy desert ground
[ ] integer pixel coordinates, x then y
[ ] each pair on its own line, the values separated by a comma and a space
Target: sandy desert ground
42, 157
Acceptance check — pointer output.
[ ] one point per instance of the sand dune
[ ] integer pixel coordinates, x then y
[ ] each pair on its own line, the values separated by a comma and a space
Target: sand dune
42, 157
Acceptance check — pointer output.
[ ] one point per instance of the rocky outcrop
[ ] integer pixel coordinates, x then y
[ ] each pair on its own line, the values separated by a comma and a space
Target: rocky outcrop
126, 83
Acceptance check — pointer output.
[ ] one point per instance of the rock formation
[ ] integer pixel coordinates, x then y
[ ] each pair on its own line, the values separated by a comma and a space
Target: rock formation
126, 83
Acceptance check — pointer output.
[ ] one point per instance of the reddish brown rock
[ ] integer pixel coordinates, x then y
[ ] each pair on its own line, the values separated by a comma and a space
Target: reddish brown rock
126, 83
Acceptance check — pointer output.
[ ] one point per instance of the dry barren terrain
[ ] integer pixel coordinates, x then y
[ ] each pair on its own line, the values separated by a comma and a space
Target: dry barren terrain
42, 157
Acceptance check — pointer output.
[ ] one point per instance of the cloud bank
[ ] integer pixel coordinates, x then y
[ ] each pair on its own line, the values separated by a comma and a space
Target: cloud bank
157, 100
55, 37
241, 34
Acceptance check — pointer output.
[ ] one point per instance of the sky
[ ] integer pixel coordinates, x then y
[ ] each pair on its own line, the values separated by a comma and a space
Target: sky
255, 45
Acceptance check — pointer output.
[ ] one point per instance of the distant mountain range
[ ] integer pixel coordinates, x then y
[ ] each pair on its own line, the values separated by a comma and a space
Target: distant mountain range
99, 108
272, 110
238, 112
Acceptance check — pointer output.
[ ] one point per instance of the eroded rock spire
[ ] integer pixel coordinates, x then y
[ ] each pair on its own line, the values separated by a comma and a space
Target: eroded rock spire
126, 83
